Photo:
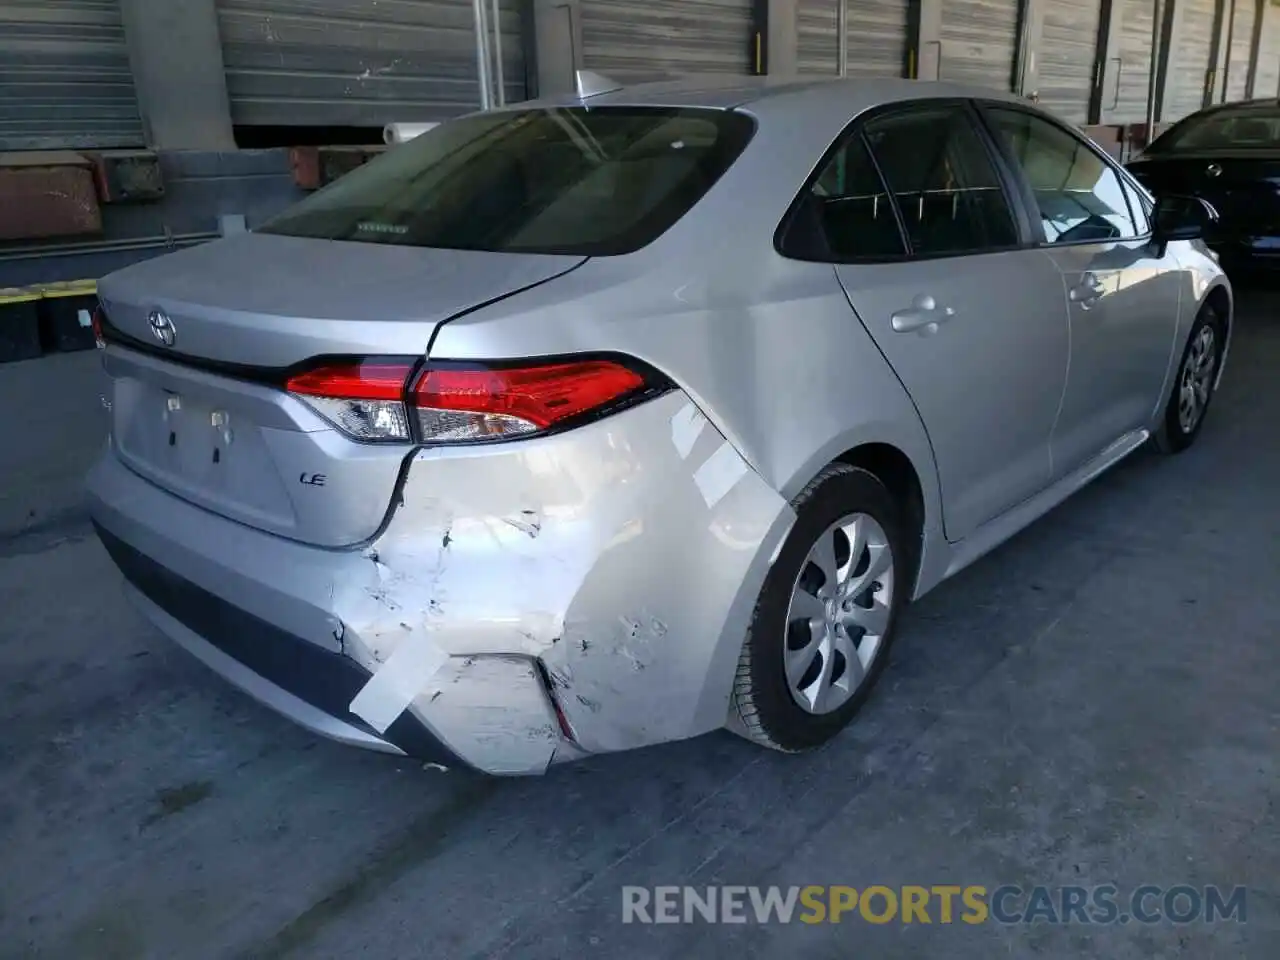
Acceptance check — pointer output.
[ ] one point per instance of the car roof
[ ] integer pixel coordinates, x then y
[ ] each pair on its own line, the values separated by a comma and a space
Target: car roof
762, 94
1262, 105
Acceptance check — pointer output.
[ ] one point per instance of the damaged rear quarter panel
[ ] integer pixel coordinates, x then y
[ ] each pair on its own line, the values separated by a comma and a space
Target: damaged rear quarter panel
626, 555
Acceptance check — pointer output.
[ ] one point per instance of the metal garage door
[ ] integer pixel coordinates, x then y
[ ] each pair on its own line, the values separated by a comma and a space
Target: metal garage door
1241, 49
1068, 49
1268, 83
818, 38
64, 76
1190, 60
979, 40
1128, 103
636, 40
877, 38
358, 62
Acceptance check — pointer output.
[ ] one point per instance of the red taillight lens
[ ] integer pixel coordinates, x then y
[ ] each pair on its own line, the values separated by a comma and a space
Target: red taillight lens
464, 402
484, 404
357, 380
363, 398
97, 318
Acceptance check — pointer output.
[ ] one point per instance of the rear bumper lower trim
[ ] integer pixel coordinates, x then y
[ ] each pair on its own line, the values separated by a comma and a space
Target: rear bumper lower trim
324, 680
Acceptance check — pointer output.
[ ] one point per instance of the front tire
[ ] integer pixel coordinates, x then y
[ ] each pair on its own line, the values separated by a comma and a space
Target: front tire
826, 616
1196, 381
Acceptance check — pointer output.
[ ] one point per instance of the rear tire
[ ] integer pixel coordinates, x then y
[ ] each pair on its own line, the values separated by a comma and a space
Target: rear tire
1195, 383
823, 625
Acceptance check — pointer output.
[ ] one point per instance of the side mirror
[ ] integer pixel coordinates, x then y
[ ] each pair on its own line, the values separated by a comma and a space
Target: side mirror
1183, 218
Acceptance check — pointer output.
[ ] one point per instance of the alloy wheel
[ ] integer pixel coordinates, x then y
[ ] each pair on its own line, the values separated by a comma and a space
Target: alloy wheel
1196, 379
839, 613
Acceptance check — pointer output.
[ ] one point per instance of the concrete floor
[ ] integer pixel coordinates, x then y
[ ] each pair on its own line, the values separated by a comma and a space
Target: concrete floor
1098, 701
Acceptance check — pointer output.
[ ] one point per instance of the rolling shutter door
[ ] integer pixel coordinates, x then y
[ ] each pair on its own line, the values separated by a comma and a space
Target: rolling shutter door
356, 62
877, 45
1068, 49
1268, 84
1129, 100
877, 38
1241, 49
979, 39
636, 40
64, 76
1189, 61
818, 38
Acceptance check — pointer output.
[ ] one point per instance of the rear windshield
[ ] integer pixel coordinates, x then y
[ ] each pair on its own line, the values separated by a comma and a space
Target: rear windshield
576, 180
1224, 130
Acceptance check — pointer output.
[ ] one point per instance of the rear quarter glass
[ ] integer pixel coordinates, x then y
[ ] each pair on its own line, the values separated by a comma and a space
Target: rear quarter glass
576, 180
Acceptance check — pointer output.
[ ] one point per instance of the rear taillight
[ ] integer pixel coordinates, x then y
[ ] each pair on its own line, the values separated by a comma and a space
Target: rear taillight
486, 404
384, 400
362, 398
96, 321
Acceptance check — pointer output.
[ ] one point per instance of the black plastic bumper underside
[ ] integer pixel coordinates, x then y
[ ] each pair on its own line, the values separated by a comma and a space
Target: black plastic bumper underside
326, 680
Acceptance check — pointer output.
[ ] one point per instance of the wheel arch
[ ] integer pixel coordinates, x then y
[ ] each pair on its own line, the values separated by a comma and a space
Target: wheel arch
895, 470
1220, 297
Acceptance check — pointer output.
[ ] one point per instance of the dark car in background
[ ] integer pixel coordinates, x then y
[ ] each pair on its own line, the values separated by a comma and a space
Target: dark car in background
1229, 156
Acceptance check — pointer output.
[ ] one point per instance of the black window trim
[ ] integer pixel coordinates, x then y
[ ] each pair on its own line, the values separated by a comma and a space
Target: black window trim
1127, 180
1010, 187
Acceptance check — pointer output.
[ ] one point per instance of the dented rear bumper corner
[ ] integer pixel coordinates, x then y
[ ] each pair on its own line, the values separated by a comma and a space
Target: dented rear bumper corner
528, 602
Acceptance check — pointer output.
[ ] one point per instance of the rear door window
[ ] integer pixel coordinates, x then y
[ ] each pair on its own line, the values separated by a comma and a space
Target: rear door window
848, 209
946, 186
578, 180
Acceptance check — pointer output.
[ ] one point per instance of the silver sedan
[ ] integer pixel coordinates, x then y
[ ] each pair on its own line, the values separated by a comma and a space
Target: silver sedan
600, 422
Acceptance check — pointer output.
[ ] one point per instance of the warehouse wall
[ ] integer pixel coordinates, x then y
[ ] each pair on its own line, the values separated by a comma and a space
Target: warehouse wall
192, 79
356, 62
100, 74
65, 80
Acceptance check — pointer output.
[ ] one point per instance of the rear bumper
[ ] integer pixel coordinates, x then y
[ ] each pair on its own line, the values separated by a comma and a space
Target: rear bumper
312, 686
599, 581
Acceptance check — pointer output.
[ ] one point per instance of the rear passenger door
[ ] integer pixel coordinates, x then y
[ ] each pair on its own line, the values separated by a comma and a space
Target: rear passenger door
936, 263
1122, 298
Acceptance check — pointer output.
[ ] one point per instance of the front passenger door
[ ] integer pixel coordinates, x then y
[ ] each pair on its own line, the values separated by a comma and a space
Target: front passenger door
1123, 300
972, 321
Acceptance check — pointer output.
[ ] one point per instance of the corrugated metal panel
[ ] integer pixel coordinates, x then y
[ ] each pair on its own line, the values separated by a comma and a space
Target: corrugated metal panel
818, 38
1129, 102
1241, 49
877, 45
877, 38
358, 62
64, 76
1190, 60
638, 40
1068, 48
979, 40
1268, 84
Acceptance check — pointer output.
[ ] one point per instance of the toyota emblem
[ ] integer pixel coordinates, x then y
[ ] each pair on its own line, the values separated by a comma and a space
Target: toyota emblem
162, 327
1213, 170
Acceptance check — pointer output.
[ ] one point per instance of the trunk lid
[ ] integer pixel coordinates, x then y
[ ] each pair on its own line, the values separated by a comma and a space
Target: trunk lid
204, 416
273, 301
1245, 190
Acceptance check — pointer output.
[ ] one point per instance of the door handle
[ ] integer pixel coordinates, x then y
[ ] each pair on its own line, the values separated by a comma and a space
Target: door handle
923, 316
1088, 292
